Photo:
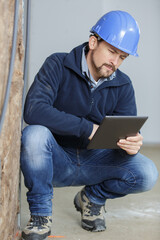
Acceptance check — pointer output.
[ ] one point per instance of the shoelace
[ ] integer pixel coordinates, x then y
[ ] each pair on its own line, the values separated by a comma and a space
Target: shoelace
95, 209
38, 220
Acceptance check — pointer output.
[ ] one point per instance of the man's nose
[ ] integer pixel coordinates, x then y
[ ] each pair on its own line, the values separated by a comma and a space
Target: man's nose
115, 60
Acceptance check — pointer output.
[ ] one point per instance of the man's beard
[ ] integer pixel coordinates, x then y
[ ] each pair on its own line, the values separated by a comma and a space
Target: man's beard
98, 69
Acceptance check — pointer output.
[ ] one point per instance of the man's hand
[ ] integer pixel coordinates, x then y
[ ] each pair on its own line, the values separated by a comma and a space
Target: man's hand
131, 144
95, 127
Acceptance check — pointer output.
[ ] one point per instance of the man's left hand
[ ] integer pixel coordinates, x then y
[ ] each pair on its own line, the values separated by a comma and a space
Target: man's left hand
131, 144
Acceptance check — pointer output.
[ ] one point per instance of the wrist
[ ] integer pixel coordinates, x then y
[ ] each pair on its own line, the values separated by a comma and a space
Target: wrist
95, 127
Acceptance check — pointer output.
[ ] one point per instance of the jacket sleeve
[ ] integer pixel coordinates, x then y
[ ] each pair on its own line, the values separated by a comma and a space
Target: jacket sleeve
39, 106
126, 103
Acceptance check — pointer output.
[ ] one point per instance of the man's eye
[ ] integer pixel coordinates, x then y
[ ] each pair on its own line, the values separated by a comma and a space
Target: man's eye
123, 58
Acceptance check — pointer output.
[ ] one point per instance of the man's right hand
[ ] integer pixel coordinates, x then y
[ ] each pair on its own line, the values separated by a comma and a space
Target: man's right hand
95, 127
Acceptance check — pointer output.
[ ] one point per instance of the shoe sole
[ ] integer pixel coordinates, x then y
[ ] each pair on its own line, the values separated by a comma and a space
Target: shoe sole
34, 236
84, 225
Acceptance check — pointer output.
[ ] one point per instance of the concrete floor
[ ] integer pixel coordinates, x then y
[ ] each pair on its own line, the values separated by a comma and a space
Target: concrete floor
134, 217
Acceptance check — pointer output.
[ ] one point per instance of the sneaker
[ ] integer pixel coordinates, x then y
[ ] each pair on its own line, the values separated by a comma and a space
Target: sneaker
92, 214
38, 228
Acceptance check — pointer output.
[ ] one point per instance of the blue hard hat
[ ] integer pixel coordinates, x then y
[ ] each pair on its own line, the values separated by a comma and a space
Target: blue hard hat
119, 29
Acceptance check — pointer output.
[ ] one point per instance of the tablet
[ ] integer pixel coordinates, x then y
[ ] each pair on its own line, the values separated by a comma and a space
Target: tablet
114, 128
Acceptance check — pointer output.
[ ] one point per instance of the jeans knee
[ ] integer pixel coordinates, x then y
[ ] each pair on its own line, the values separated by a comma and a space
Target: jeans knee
34, 136
153, 175
35, 147
148, 176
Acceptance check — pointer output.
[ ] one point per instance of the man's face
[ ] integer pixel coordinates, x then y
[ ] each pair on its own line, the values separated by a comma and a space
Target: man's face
104, 59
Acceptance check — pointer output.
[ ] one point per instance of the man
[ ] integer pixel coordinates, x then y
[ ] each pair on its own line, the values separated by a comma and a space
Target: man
68, 99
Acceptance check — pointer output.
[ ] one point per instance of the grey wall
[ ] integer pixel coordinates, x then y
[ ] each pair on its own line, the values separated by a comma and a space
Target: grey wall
60, 25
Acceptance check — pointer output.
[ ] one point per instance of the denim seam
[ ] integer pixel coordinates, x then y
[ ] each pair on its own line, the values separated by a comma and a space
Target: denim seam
52, 146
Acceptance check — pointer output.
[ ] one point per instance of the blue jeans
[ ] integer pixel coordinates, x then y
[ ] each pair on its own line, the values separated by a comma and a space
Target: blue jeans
106, 173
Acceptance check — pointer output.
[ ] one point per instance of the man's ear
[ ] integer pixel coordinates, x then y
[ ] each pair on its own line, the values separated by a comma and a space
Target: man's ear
92, 42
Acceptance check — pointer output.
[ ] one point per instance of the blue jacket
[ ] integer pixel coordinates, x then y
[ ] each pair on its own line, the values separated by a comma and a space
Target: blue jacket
61, 99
